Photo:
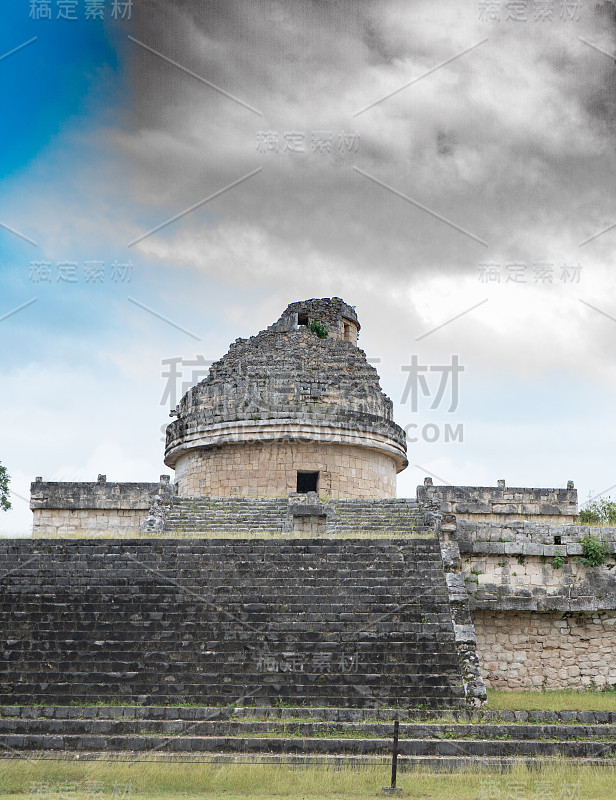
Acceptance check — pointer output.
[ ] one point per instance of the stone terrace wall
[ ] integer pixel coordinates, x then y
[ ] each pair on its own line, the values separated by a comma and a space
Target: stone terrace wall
542, 617
502, 503
70, 508
527, 650
529, 577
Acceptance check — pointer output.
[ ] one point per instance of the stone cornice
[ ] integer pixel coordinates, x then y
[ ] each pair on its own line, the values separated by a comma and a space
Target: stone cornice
283, 430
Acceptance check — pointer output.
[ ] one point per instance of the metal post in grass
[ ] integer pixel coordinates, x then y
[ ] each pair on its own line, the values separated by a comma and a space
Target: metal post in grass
393, 789
394, 755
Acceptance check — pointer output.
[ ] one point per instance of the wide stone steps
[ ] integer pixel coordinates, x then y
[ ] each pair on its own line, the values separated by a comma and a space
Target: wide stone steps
341, 622
285, 714
378, 730
100, 689
222, 515
455, 738
400, 513
245, 515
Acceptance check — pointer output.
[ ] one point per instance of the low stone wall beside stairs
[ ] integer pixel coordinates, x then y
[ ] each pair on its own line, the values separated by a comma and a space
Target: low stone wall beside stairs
544, 615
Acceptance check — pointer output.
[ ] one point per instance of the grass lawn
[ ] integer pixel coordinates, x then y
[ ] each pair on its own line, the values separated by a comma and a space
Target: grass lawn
552, 700
168, 781
164, 779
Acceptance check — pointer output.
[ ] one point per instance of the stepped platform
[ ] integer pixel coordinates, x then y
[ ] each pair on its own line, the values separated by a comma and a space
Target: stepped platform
243, 516
389, 517
222, 516
344, 622
438, 739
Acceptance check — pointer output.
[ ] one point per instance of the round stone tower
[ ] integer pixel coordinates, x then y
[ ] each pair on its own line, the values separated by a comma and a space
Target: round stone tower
289, 410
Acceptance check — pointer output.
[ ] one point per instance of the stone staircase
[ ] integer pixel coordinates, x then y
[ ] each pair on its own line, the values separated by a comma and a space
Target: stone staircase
390, 517
227, 515
438, 739
242, 516
341, 622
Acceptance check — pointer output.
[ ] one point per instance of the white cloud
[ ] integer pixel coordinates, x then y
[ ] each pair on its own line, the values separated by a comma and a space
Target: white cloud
513, 141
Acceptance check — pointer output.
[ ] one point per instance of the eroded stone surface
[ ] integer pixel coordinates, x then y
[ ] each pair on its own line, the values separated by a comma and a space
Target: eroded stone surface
286, 401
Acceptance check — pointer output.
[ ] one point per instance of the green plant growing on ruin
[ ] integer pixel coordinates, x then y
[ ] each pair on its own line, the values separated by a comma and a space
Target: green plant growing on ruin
598, 512
5, 503
594, 552
558, 562
318, 328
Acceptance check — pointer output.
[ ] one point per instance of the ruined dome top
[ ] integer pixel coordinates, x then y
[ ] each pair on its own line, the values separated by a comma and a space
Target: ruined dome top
288, 376
333, 312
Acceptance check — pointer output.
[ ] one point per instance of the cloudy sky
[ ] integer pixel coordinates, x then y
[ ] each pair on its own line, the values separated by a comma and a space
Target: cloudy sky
174, 174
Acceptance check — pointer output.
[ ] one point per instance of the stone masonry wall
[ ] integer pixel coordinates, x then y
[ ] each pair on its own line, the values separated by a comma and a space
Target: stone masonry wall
543, 617
529, 567
501, 503
49, 522
332, 311
287, 372
527, 650
89, 509
538, 583
270, 470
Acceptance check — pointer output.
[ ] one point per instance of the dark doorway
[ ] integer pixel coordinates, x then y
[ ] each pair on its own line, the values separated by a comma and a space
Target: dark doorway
302, 319
307, 482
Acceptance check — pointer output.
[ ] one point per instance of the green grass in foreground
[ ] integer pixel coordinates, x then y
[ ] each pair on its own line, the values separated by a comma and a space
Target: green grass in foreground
552, 700
159, 780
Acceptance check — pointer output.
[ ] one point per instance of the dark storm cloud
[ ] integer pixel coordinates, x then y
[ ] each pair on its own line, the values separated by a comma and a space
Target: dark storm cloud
491, 142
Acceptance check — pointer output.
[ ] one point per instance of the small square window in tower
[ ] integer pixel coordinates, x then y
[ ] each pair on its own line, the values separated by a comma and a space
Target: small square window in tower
307, 482
302, 319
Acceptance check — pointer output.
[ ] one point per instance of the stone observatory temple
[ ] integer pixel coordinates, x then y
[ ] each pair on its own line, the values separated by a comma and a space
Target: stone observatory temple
280, 566
296, 408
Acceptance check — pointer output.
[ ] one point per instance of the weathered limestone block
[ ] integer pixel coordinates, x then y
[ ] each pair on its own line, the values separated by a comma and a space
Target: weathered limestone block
500, 503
